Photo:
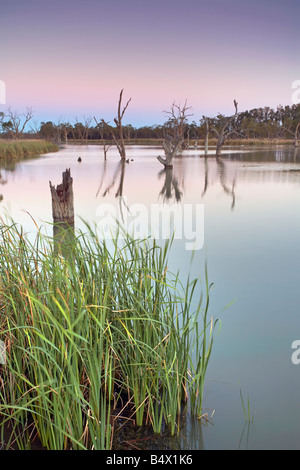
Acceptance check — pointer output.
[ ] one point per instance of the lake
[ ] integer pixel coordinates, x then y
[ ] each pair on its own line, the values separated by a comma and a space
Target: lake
241, 214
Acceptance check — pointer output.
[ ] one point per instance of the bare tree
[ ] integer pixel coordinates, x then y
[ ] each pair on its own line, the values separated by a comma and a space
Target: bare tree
79, 130
223, 127
100, 126
86, 131
35, 128
294, 133
66, 128
62, 129
205, 121
119, 138
82, 129
174, 133
18, 122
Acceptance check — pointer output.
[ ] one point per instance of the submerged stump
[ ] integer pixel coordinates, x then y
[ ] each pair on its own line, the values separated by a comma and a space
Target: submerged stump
63, 213
63, 199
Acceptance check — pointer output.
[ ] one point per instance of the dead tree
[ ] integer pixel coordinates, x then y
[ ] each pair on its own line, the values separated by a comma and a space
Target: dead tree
63, 215
87, 129
205, 120
63, 199
17, 122
295, 134
223, 127
119, 138
174, 133
100, 126
80, 130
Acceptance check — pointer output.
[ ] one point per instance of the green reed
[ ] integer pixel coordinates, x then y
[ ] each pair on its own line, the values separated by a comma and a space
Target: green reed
12, 149
101, 332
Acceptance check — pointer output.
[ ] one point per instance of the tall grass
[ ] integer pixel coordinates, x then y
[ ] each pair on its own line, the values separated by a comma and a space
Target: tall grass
24, 148
105, 332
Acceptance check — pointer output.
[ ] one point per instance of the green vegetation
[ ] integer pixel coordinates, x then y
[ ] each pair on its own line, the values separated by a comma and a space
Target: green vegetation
262, 123
102, 335
25, 148
246, 409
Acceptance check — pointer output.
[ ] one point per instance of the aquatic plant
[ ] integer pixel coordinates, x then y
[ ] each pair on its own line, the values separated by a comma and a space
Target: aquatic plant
24, 148
96, 334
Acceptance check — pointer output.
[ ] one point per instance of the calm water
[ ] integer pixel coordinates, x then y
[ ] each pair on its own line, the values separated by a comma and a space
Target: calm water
251, 233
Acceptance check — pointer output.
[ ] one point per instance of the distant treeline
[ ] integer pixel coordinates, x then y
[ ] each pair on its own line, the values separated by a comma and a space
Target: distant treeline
258, 123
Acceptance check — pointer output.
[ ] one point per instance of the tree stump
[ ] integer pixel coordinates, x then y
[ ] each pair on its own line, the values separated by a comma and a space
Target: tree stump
63, 215
63, 200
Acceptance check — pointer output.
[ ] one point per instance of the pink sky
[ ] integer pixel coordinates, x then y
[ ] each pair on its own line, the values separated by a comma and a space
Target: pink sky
71, 59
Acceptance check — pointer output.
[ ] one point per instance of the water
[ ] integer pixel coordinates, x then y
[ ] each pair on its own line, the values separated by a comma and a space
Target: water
251, 231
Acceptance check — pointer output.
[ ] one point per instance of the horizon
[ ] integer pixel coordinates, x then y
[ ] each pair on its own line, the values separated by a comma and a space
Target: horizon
70, 60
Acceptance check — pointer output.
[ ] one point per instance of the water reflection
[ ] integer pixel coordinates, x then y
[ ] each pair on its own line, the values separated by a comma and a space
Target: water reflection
118, 181
265, 154
223, 180
170, 187
9, 166
3, 181
118, 177
245, 436
191, 434
259, 241
228, 186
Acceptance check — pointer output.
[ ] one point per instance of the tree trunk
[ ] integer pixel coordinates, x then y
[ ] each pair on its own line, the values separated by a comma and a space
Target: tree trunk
219, 146
63, 216
296, 135
166, 162
206, 139
63, 200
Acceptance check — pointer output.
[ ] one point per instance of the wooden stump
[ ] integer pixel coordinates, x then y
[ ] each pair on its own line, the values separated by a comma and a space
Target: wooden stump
63, 237
63, 214
63, 200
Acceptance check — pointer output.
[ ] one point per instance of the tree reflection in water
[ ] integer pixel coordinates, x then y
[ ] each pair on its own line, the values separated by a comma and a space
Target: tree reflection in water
170, 188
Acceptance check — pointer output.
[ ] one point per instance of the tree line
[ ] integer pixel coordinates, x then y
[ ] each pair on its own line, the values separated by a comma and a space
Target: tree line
257, 123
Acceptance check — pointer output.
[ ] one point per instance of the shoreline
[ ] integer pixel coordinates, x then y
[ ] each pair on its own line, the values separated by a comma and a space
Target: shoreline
14, 149
201, 142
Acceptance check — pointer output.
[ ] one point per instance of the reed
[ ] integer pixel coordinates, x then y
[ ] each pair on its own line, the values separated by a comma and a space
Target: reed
103, 333
12, 149
246, 408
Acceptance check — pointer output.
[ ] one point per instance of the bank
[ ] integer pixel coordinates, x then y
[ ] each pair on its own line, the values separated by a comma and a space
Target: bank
25, 148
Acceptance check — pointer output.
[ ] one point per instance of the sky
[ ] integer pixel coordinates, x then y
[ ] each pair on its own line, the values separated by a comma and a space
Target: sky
69, 59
